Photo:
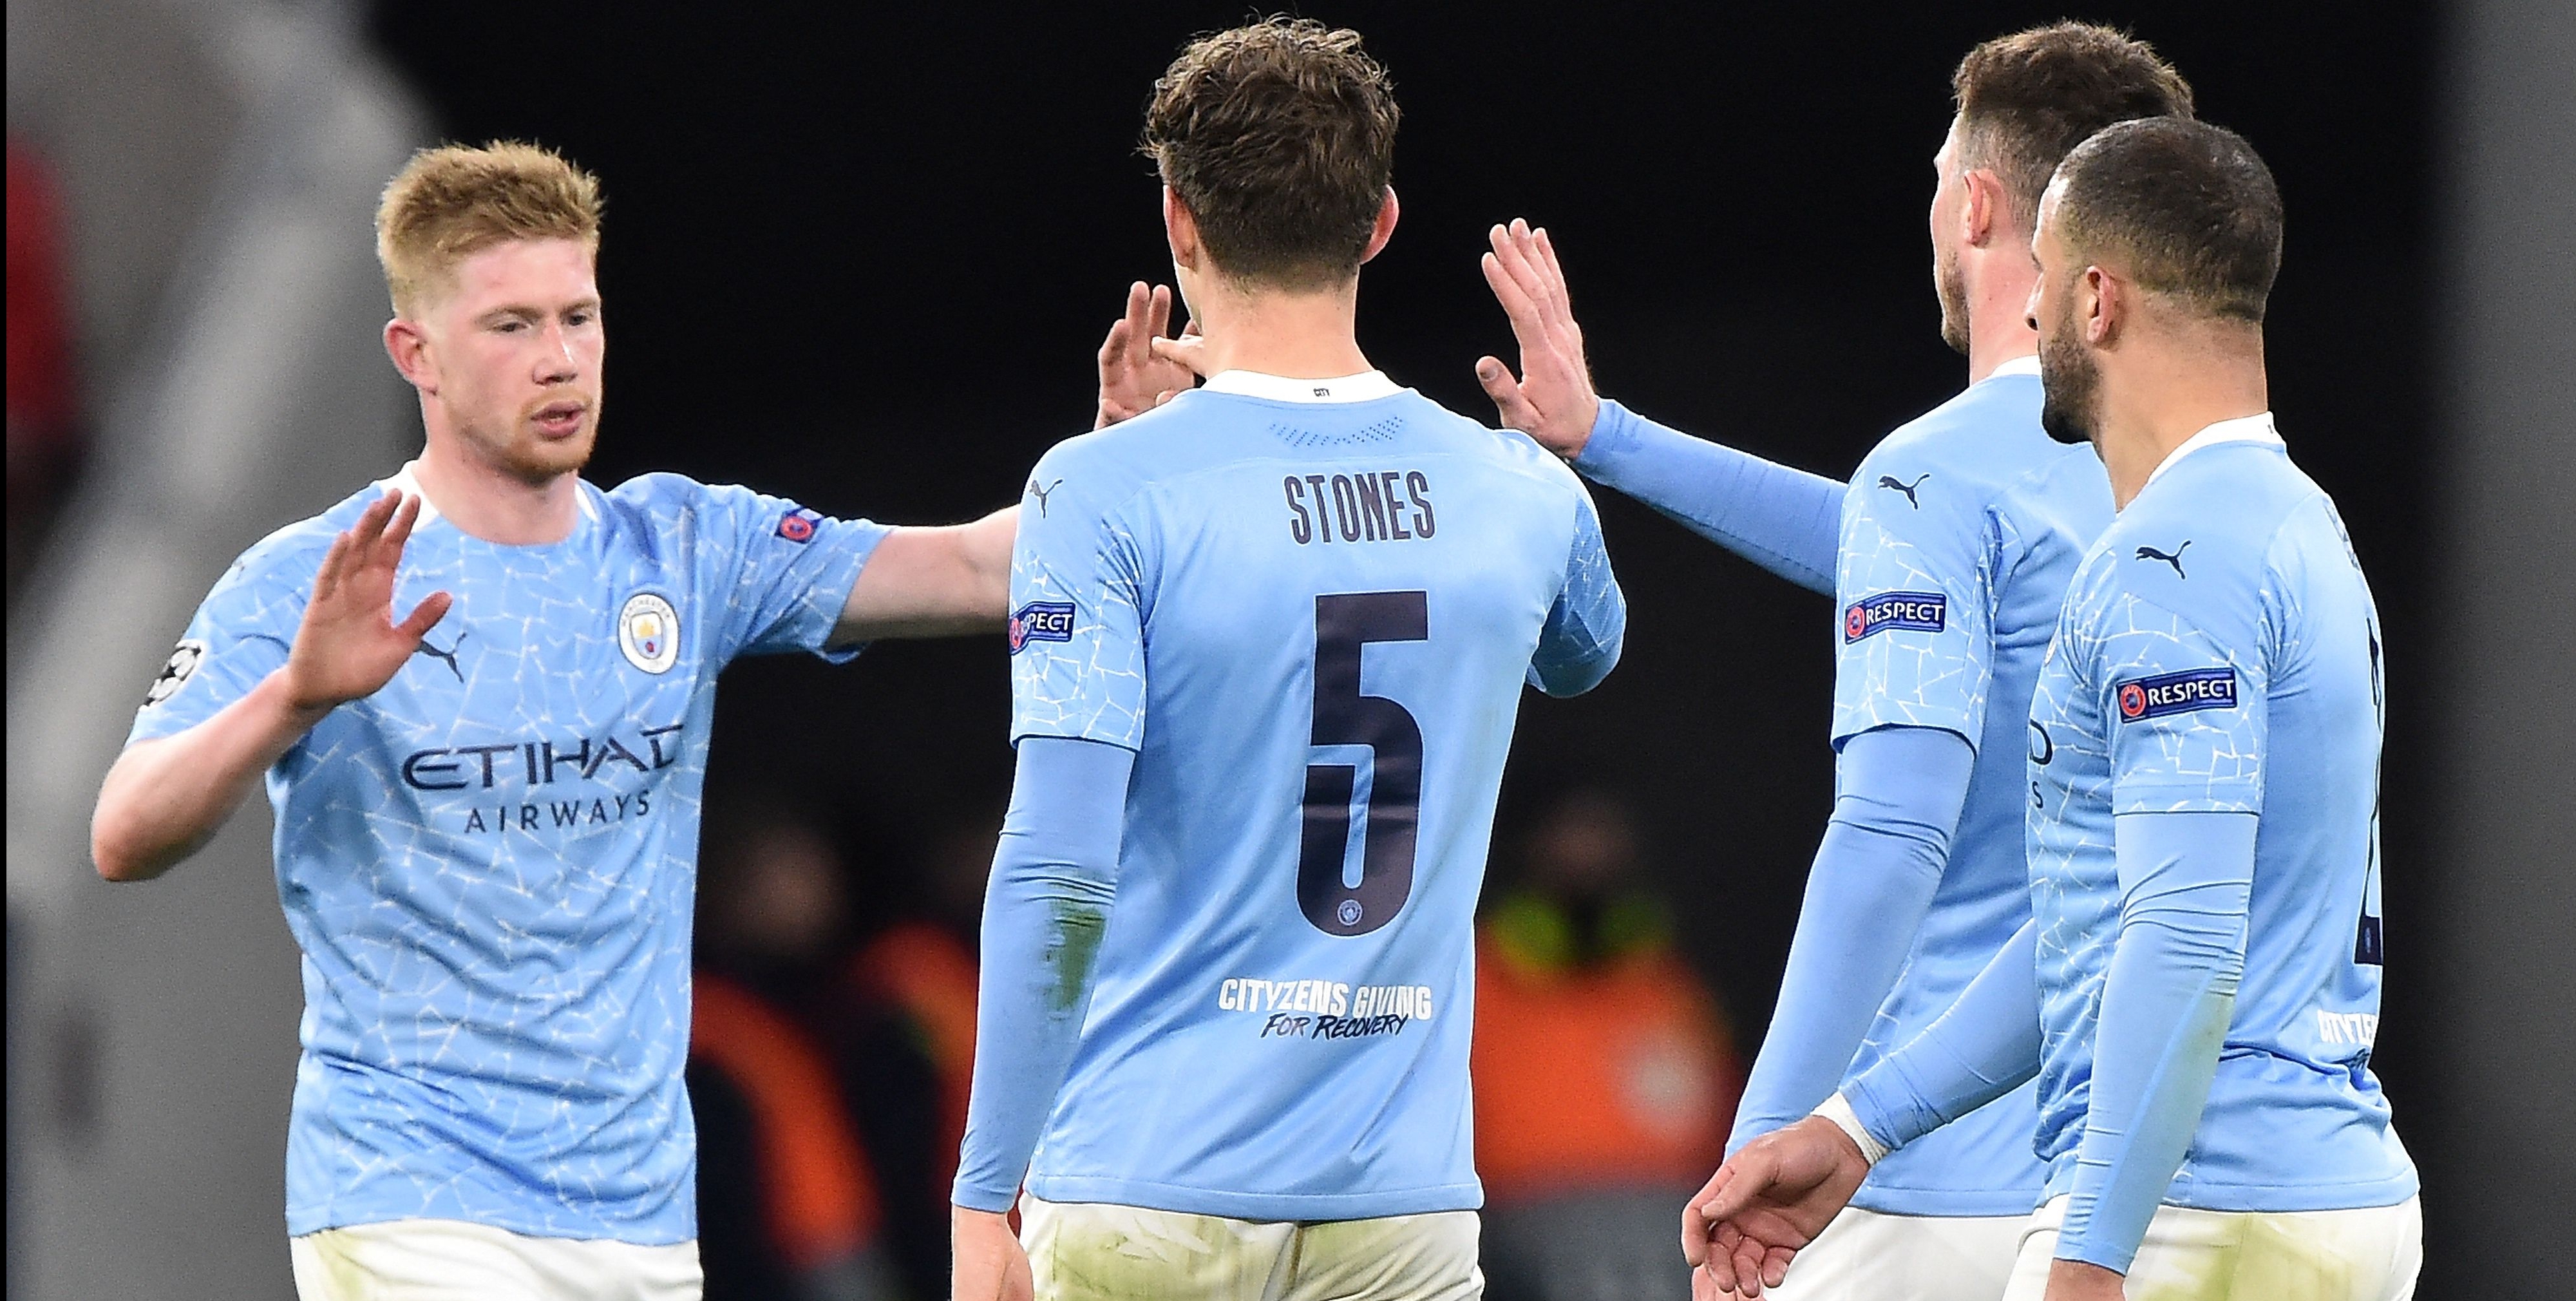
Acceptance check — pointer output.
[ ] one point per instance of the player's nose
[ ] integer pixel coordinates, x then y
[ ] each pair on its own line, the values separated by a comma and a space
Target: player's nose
557, 362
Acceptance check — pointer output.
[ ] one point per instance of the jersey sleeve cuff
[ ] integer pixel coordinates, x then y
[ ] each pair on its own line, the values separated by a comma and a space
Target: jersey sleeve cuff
1615, 434
1838, 1109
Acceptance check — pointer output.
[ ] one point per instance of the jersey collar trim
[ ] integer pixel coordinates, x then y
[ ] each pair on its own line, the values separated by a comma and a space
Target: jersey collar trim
1367, 386
2026, 365
407, 480
2243, 429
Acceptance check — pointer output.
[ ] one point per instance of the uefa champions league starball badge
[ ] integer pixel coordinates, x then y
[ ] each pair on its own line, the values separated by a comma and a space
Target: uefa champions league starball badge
648, 630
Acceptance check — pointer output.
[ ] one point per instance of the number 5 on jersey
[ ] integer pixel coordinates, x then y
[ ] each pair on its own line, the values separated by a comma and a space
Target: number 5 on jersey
1344, 625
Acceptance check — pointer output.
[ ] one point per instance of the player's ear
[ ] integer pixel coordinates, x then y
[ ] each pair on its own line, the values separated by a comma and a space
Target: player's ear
2102, 302
1981, 213
409, 348
1384, 228
1182, 229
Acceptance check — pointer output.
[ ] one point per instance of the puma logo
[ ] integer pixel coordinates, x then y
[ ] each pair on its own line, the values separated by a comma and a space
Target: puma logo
1041, 494
448, 655
2173, 558
1891, 481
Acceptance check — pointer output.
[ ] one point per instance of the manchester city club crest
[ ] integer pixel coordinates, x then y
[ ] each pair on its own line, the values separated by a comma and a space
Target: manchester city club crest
648, 630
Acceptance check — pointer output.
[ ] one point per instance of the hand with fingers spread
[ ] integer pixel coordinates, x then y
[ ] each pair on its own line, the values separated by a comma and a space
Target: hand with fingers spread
349, 645
1136, 373
1769, 1200
1553, 401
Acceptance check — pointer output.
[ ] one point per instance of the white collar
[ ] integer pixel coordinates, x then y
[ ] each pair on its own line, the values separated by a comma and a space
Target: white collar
2026, 364
407, 480
2243, 429
1367, 386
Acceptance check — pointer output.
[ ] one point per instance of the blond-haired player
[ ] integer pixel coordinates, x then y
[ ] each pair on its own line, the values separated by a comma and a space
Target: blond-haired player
480, 693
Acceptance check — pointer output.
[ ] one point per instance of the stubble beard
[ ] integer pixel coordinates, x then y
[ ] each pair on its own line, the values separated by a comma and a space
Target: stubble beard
1950, 285
2070, 387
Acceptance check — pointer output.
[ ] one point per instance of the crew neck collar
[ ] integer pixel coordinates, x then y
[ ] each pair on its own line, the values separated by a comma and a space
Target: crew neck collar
1367, 386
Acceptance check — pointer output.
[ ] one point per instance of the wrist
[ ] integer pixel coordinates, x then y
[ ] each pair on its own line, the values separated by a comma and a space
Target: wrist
1837, 1111
279, 698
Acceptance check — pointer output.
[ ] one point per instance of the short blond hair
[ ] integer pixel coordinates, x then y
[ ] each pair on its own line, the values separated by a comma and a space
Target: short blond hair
453, 201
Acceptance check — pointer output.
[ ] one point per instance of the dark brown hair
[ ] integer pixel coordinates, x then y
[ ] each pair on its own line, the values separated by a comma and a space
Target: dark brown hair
2182, 207
2026, 99
1279, 138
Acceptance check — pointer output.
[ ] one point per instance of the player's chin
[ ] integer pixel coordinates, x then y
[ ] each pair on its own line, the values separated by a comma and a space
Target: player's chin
542, 455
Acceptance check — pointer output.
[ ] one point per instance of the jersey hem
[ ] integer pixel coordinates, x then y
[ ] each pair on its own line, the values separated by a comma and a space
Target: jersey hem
1949, 1204
2359, 1195
310, 1222
1300, 1207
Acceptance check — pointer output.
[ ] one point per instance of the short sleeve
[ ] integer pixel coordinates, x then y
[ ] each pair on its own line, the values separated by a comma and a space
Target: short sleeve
1078, 597
782, 572
2185, 703
1580, 643
239, 635
1914, 593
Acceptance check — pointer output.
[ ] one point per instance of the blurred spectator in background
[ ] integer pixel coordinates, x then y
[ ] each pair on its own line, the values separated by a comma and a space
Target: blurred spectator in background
1604, 1072
44, 431
789, 1207
918, 972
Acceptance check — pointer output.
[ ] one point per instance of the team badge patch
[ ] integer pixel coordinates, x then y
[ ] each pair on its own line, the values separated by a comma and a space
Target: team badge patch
648, 630
1041, 621
1891, 611
182, 665
796, 526
2177, 693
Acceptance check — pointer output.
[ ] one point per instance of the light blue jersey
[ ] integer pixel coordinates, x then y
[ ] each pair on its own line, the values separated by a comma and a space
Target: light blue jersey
2220, 653
490, 864
1960, 534
1308, 607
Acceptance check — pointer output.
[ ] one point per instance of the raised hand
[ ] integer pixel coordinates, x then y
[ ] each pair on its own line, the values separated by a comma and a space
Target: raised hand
349, 646
1768, 1201
1136, 374
1553, 401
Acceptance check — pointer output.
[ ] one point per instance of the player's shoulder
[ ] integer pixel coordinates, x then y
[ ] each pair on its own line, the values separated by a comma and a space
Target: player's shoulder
1963, 455
293, 554
2201, 540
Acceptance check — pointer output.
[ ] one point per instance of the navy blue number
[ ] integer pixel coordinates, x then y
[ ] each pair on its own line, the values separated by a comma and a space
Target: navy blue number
1344, 625
2368, 948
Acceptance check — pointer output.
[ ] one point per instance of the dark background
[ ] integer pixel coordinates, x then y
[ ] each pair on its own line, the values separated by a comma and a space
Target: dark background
864, 257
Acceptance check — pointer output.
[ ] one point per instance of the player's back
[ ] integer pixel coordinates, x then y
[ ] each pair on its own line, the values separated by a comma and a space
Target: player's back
1311, 619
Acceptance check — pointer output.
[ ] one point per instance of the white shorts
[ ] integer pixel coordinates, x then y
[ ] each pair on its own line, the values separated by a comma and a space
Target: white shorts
2371, 1254
1872, 1256
1093, 1251
451, 1260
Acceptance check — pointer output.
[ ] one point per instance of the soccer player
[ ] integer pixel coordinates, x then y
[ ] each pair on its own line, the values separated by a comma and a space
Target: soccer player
1268, 643
2200, 984
1957, 537
480, 692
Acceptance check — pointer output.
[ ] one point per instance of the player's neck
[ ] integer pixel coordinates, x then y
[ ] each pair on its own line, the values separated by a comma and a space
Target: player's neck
485, 501
2169, 389
1275, 332
1998, 319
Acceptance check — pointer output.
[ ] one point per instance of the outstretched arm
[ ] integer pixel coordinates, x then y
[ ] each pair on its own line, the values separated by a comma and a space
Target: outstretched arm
1900, 792
933, 582
1783, 519
166, 797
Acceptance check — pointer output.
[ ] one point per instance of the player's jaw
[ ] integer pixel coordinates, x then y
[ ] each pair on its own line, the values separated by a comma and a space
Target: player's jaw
1949, 283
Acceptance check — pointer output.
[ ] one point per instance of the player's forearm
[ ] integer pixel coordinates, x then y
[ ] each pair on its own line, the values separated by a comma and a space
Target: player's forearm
949, 581
1786, 520
1874, 877
1054, 876
2186, 882
1984, 1047
165, 798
